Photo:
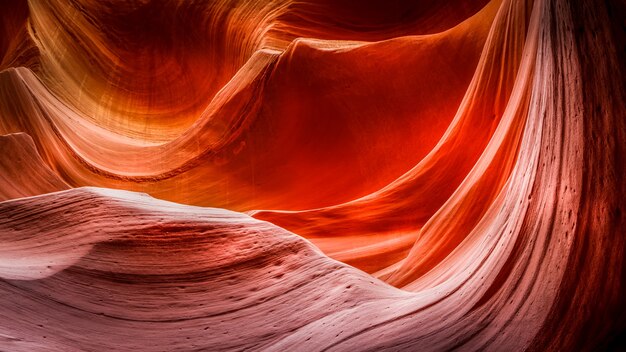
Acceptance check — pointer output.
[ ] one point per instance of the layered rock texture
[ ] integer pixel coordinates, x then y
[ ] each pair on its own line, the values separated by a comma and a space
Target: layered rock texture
312, 175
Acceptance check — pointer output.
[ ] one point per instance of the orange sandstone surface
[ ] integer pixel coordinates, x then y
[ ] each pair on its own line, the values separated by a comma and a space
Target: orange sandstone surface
312, 175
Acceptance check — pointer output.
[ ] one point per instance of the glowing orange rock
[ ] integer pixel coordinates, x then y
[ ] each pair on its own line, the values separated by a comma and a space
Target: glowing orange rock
468, 153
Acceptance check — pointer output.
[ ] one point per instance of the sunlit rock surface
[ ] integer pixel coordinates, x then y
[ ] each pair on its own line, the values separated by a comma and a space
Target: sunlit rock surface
316, 176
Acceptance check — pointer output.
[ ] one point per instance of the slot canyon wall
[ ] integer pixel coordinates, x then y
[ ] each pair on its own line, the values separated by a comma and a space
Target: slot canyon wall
328, 175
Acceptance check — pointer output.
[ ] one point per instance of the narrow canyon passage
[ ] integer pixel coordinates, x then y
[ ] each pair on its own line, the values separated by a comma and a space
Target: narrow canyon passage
312, 175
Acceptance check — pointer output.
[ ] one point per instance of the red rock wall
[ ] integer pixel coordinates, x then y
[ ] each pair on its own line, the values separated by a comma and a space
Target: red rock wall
401, 175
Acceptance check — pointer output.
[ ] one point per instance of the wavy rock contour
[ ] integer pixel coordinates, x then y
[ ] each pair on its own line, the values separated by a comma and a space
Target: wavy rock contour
416, 176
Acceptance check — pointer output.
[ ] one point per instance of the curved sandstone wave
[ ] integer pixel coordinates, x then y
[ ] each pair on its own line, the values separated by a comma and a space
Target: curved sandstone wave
278, 128
22, 171
466, 156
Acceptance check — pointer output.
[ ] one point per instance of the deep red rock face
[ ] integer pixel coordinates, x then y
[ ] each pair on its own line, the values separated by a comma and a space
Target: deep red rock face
312, 175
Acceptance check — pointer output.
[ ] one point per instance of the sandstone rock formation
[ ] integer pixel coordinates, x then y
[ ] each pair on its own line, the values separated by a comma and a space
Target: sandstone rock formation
312, 175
